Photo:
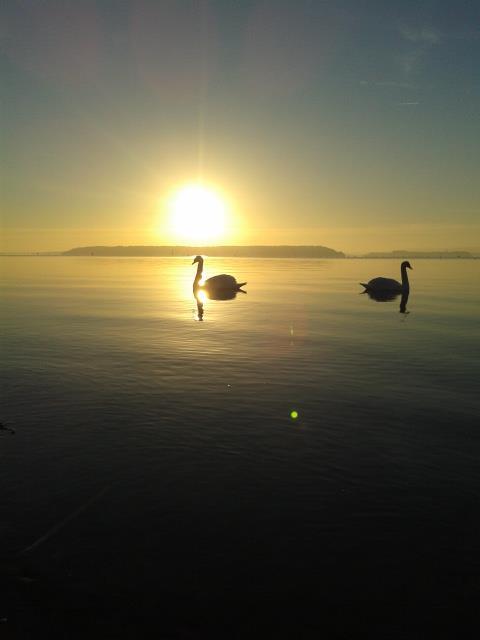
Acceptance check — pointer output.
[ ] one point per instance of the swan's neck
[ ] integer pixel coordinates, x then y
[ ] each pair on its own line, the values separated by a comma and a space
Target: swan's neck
199, 274
405, 283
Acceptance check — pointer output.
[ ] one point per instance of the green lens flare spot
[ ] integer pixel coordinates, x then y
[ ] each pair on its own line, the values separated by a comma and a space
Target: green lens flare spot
293, 415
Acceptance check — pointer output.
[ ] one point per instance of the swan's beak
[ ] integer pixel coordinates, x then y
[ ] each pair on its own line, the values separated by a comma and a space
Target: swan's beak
410, 267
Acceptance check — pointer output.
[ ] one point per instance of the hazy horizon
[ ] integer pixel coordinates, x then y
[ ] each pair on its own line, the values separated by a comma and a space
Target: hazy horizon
394, 253
11, 243
345, 125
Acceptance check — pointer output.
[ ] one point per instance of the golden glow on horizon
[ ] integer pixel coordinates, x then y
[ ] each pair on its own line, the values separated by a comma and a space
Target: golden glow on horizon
196, 214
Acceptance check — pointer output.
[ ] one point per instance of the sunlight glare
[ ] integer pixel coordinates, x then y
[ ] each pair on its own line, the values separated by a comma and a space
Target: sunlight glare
197, 214
201, 295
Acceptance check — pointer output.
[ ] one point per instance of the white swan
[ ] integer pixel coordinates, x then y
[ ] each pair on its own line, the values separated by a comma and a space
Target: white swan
221, 283
378, 285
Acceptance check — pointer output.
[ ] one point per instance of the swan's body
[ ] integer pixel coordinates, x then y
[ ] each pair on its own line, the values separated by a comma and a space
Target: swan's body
215, 284
383, 285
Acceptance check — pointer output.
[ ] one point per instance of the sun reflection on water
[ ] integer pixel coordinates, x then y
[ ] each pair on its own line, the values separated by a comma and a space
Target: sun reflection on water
201, 295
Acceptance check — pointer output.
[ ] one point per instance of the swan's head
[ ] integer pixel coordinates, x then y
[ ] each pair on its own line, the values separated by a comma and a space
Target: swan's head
197, 259
406, 265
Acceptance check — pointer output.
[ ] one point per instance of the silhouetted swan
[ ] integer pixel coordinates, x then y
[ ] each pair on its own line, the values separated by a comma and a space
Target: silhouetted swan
218, 287
387, 285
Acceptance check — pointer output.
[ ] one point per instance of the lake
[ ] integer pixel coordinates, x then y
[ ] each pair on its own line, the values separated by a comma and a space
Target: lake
302, 461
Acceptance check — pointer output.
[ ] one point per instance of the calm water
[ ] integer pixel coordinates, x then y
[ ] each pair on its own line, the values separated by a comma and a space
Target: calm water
158, 473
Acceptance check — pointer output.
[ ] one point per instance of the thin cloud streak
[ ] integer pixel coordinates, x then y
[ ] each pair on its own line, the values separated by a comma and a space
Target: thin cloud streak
425, 36
420, 41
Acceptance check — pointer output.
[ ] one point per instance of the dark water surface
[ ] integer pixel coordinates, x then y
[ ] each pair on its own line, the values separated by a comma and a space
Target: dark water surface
157, 479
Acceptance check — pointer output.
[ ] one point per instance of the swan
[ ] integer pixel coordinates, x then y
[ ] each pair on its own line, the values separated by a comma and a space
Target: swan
382, 285
222, 283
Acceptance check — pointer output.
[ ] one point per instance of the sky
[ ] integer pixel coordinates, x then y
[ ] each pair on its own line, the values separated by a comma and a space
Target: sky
352, 124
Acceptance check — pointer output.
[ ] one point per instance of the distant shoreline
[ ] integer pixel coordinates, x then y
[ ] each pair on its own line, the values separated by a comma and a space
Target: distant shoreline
246, 251
411, 256
232, 251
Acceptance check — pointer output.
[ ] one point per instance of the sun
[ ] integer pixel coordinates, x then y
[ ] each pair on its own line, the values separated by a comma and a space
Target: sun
197, 214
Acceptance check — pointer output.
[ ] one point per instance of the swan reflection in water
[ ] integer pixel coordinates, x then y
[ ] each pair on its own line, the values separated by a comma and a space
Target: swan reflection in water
201, 295
388, 296
221, 287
